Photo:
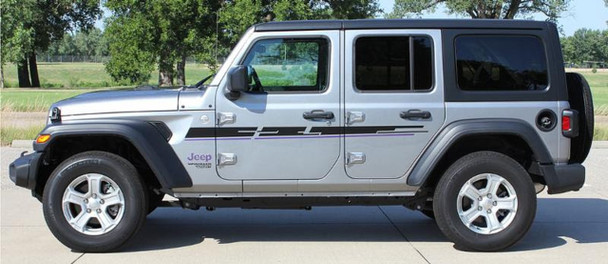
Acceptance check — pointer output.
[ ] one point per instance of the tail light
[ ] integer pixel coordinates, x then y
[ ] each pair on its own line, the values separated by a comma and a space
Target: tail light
570, 123
566, 124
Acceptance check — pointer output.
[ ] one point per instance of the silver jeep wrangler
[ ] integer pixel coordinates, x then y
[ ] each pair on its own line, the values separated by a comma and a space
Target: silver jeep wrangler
464, 120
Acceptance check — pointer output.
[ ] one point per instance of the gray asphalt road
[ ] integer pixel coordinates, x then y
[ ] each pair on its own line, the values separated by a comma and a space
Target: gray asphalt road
569, 228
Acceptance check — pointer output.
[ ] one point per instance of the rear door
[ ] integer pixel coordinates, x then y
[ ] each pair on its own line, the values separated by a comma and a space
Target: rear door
393, 99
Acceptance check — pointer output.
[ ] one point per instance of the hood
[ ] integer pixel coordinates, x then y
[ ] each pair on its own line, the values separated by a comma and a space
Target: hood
119, 101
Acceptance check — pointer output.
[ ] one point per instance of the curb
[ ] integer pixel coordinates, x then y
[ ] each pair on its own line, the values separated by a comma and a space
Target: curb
22, 143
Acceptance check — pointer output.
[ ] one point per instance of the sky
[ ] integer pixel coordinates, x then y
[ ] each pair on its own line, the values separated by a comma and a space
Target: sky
591, 14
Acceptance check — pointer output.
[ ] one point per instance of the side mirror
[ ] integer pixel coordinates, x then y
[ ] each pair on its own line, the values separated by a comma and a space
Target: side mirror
237, 82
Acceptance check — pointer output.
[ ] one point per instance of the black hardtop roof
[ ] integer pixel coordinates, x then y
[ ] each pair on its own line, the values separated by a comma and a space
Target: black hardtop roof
402, 24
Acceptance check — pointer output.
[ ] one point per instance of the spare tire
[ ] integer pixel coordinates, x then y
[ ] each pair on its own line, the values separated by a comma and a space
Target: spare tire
580, 99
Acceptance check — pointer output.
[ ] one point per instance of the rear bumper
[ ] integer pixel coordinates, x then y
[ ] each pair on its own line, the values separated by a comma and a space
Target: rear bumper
24, 169
563, 178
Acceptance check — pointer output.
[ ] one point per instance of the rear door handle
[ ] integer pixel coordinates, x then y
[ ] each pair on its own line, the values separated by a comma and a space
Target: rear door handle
415, 114
318, 114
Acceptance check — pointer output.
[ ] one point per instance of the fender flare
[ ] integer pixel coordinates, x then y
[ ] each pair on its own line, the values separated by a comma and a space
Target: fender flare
144, 136
457, 130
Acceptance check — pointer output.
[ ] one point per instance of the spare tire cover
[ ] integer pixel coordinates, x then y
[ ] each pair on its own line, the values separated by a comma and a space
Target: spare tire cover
580, 99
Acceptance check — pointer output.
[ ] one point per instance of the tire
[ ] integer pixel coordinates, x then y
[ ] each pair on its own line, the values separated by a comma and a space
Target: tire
580, 99
514, 190
103, 196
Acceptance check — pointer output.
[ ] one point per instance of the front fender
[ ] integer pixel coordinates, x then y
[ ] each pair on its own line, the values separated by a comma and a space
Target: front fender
144, 136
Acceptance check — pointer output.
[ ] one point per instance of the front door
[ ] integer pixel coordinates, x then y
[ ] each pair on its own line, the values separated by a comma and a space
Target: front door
287, 126
393, 99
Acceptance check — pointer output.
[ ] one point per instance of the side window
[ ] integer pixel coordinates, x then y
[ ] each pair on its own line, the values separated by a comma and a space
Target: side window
289, 65
393, 63
501, 63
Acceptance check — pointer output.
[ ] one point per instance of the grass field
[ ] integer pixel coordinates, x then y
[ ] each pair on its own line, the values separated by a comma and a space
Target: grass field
88, 75
11, 133
599, 88
15, 100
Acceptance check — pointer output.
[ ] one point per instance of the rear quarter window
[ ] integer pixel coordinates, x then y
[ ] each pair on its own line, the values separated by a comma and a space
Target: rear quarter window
500, 63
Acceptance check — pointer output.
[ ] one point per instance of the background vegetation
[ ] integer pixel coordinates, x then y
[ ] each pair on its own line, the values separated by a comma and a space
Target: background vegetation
176, 42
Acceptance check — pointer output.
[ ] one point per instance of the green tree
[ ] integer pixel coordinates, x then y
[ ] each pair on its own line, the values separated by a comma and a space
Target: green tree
353, 9
586, 45
87, 42
237, 16
131, 41
207, 29
67, 45
172, 31
16, 37
29, 26
491, 9
82, 43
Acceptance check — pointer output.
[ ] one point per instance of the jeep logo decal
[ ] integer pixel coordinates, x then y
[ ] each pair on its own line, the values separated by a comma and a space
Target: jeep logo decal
199, 157
199, 160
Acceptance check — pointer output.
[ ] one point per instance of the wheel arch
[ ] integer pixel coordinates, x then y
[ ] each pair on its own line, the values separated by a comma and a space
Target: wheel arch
512, 137
139, 142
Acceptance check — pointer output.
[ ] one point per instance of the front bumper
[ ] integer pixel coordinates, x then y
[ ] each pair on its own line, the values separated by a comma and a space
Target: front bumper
23, 170
564, 177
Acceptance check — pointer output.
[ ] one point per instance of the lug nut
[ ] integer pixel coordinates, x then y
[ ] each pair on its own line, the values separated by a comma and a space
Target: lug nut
94, 195
494, 203
489, 211
479, 208
88, 210
101, 201
489, 195
86, 200
479, 199
98, 210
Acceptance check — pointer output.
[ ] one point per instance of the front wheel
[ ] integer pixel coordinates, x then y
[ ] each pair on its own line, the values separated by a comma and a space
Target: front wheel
485, 201
94, 202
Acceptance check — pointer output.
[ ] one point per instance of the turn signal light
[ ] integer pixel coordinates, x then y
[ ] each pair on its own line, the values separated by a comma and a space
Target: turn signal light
43, 138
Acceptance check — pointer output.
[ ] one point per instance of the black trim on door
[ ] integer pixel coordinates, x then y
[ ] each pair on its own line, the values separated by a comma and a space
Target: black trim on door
298, 131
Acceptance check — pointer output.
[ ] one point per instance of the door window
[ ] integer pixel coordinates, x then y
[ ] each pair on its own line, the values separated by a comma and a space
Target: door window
288, 65
395, 63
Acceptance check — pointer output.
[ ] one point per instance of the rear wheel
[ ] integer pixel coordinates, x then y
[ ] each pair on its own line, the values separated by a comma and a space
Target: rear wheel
485, 201
94, 202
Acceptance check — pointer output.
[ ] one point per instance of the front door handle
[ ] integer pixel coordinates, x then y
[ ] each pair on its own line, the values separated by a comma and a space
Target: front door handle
318, 114
415, 114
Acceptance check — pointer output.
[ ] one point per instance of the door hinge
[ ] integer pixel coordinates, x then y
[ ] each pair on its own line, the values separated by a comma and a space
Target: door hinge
224, 159
225, 118
353, 117
355, 158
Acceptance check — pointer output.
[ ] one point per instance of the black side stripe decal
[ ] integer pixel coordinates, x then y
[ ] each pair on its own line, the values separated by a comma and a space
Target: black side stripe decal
376, 129
281, 131
296, 131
